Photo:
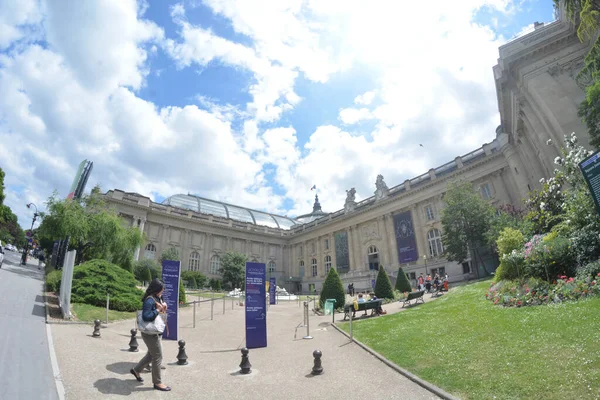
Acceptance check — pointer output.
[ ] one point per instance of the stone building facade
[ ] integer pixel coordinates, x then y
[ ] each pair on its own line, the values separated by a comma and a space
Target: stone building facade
538, 95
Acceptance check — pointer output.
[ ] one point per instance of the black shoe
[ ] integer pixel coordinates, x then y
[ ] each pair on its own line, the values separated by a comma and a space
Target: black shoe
137, 376
164, 389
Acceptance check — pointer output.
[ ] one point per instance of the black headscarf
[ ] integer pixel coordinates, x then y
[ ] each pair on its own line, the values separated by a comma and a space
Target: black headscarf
154, 288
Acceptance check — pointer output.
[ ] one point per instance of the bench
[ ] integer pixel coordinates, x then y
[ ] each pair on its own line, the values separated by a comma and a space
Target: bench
416, 296
372, 305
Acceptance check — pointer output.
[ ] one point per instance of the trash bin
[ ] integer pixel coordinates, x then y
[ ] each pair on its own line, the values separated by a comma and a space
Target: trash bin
329, 306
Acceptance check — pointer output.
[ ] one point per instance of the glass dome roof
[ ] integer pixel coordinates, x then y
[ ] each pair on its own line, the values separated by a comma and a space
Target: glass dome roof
224, 210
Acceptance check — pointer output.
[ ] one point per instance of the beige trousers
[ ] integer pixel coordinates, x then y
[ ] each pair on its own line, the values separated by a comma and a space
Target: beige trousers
153, 342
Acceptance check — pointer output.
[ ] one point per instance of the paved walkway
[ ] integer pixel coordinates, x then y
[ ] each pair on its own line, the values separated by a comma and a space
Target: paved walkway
99, 368
25, 368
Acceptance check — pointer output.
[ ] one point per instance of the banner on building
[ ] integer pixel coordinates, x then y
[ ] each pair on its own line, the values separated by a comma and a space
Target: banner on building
406, 241
272, 291
256, 304
171, 274
342, 255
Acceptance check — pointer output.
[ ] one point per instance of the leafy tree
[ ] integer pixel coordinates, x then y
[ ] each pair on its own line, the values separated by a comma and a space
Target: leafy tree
232, 269
170, 254
584, 13
383, 285
402, 283
2, 195
146, 276
146, 264
95, 230
508, 216
196, 279
466, 221
333, 289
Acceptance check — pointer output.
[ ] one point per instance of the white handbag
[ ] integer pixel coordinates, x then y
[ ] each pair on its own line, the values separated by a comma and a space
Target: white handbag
156, 327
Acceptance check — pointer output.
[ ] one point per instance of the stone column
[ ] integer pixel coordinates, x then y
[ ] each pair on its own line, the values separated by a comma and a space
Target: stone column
391, 236
385, 252
359, 252
420, 235
185, 257
319, 257
207, 251
501, 187
142, 222
265, 253
353, 264
515, 163
332, 252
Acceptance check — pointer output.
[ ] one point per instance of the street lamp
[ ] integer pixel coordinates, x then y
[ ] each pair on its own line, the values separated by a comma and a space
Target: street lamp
35, 215
425, 258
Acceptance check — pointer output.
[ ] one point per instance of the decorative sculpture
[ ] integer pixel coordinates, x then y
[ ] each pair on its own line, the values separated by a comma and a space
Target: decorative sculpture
381, 188
350, 203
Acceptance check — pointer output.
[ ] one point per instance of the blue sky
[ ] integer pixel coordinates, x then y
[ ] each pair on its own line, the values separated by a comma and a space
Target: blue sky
251, 107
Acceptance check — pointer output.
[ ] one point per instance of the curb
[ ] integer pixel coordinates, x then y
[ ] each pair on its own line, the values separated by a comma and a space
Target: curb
432, 388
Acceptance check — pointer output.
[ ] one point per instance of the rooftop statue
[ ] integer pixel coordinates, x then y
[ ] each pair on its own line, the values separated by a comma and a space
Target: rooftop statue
350, 195
381, 188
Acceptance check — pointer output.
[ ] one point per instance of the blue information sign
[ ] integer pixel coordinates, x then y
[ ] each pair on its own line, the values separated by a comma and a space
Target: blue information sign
170, 275
256, 315
272, 291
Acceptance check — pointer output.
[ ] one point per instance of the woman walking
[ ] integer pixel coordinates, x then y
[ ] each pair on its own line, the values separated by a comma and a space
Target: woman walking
153, 305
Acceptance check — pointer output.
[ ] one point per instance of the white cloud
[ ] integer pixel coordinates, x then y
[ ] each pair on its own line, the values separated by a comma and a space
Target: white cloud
77, 97
353, 115
15, 16
365, 98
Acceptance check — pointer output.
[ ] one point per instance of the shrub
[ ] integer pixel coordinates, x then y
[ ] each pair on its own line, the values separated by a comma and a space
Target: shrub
383, 285
549, 257
511, 266
333, 289
195, 279
146, 275
182, 299
146, 264
402, 283
589, 271
53, 279
94, 279
510, 239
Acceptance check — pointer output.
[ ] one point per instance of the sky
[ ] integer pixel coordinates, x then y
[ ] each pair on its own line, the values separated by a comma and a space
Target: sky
251, 102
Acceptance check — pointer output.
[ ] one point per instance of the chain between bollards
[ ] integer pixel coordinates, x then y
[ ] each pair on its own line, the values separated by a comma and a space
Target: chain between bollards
245, 366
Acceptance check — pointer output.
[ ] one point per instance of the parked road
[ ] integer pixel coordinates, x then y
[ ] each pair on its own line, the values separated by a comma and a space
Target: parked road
25, 368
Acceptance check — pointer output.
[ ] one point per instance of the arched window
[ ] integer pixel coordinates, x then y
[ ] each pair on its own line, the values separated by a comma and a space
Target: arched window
436, 248
271, 266
373, 258
215, 264
314, 267
150, 251
327, 264
194, 264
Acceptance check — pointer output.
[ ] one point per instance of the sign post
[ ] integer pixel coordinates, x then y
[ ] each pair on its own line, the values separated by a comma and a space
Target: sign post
256, 316
590, 167
272, 291
171, 272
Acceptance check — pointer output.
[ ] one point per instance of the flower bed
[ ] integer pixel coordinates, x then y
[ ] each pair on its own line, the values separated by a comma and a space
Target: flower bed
532, 291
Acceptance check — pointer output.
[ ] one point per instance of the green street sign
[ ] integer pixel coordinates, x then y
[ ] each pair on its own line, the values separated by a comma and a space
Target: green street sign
590, 167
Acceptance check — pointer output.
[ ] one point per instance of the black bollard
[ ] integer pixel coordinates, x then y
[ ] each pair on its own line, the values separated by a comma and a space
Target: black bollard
245, 364
181, 356
317, 368
133, 344
96, 328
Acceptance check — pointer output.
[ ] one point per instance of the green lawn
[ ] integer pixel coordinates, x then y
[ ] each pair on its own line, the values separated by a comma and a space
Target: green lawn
475, 350
87, 313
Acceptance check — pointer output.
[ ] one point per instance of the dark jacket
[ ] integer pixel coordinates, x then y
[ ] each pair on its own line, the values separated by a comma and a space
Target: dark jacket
149, 311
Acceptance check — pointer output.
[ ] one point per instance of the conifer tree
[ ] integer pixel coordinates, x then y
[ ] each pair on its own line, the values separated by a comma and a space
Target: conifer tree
402, 282
333, 289
383, 285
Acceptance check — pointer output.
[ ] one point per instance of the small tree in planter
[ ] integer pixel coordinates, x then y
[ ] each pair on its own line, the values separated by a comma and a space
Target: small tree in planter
402, 283
333, 289
383, 285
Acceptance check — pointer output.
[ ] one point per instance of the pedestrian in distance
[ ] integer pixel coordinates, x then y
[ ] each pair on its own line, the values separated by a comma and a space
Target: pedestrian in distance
153, 305
41, 260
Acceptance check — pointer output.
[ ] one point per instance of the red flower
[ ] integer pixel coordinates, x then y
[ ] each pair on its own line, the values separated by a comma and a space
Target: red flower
598, 274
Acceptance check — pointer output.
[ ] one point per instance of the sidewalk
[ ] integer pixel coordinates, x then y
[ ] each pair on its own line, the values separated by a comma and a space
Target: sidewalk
94, 368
